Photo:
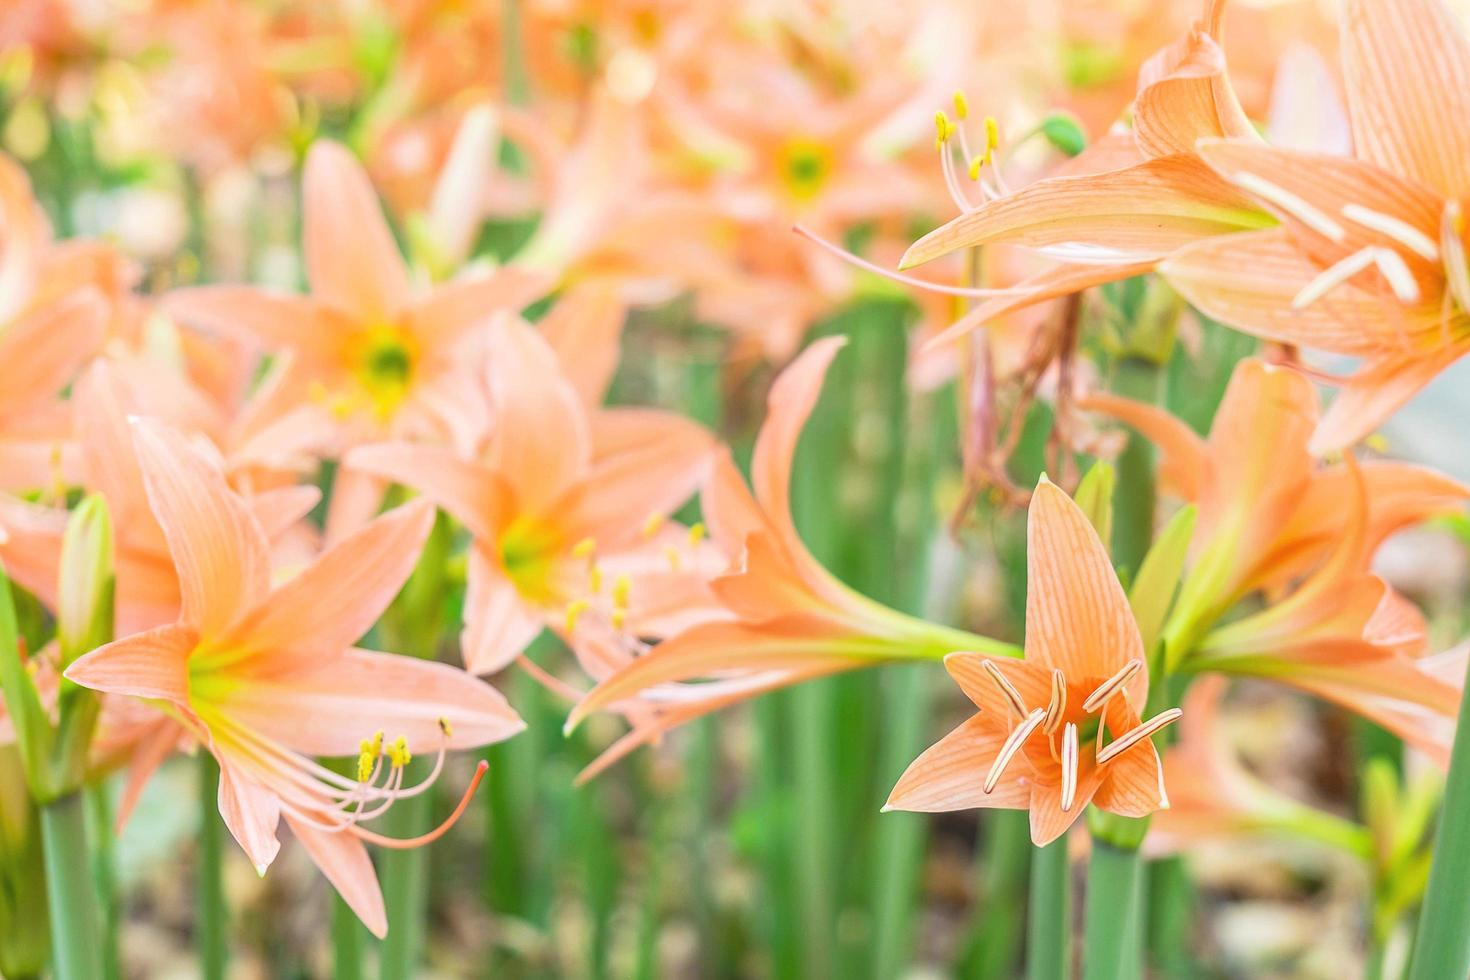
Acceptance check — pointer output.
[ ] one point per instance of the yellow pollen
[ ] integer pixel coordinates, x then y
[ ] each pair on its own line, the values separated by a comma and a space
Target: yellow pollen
961, 106
365, 760
622, 588
696, 535
992, 137
673, 556
575, 609
584, 548
398, 754
942, 129
594, 578
619, 617
445, 728
975, 164
652, 525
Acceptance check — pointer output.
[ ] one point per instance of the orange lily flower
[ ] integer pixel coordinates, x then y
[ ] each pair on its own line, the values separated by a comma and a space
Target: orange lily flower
785, 618
1271, 519
265, 678
1129, 200
384, 359
1058, 729
147, 585
1370, 260
566, 504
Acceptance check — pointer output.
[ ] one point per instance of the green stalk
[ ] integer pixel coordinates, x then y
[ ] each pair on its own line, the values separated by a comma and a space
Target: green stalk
994, 942
1170, 917
1114, 884
104, 874
1134, 501
213, 923
348, 938
1442, 947
75, 935
1049, 913
405, 875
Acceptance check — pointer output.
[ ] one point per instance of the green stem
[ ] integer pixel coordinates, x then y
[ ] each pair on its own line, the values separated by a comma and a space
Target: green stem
104, 873
1442, 948
75, 935
1134, 500
1112, 933
212, 925
406, 883
1049, 913
348, 937
1170, 916
994, 943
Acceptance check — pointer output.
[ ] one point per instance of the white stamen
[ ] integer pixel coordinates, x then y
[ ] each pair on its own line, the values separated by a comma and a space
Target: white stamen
1293, 204
1143, 731
1006, 687
1396, 228
1111, 686
1396, 271
1070, 750
1058, 704
1012, 746
1333, 276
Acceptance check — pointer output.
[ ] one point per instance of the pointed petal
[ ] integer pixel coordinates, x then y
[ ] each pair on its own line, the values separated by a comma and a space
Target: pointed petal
469, 492
1077, 617
1419, 130
1249, 281
336, 599
355, 499
160, 743
729, 510
252, 813
1377, 390
950, 774
351, 258
461, 306
499, 624
1191, 100
646, 462
1134, 215
1133, 783
262, 319
42, 351
541, 445
344, 861
1183, 463
584, 328
1031, 681
219, 551
327, 705
152, 664
1048, 820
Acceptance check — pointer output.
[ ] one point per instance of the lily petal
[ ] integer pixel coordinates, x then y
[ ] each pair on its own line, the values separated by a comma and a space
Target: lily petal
351, 258
949, 774
152, 664
344, 861
470, 492
1379, 389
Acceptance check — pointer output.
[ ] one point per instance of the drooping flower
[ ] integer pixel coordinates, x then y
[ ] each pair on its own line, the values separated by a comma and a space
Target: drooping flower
567, 504
785, 618
1060, 728
1370, 259
265, 677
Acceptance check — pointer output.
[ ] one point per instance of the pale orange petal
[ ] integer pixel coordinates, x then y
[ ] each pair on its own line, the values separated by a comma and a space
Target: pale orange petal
470, 492
326, 705
41, 352
351, 258
1191, 100
337, 598
263, 319
1183, 463
219, 551
950, 774
1407, 69
344, 861
1377, 390
1031, 681
1048, 820
355, 499
251, 811
583, 328
153, 664
499, 624
1077, 617
1133, 215
1132, 784
459, 307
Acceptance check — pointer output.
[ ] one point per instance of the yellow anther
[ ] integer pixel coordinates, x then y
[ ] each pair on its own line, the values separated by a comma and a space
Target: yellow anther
975, 164
365, 760
1376, 442
619, 617
992, 137
622, 588
652, 525
445, 729
584, 548
377, 743
398, 754
942, 129
575, 609
961, 106
673, 556
594, 578
696, 534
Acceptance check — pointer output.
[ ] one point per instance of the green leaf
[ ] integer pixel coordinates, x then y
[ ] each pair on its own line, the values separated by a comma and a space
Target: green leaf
32, 727
1095, 497
1158, 576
